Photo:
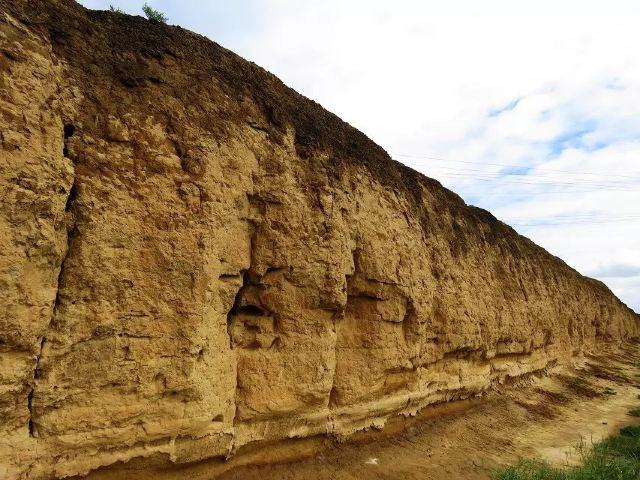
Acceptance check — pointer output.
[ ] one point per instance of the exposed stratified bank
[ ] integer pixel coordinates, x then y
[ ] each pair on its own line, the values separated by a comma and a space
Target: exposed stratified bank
194, 257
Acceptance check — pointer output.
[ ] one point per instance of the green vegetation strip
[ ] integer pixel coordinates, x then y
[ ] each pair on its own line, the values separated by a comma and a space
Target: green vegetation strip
616, 458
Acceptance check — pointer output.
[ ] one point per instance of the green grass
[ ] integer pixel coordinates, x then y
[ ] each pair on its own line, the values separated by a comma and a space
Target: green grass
616, 458
635, 412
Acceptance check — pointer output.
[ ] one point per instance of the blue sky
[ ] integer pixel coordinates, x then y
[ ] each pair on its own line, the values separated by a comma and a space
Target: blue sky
528, 109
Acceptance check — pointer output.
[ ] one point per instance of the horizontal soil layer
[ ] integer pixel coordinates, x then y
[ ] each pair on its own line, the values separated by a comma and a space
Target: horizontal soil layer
544, 417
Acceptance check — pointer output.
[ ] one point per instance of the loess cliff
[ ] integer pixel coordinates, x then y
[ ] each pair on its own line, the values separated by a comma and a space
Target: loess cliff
194, 257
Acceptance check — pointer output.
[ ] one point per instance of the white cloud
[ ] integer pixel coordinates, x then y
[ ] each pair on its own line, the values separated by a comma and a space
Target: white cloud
547, 84
617, 271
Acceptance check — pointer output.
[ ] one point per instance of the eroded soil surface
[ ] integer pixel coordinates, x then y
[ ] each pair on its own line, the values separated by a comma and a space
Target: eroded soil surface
547, 419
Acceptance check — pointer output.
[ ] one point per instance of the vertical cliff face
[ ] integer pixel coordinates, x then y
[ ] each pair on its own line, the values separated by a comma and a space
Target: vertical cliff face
194, 257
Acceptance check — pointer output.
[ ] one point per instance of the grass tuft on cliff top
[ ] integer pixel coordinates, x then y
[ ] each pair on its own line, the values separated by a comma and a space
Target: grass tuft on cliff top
616, 458
153, 14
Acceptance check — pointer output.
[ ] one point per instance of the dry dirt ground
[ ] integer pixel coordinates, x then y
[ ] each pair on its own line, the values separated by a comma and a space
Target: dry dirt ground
545, 417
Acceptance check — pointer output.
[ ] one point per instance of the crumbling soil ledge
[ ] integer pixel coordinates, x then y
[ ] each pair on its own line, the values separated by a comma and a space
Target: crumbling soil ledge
544, 416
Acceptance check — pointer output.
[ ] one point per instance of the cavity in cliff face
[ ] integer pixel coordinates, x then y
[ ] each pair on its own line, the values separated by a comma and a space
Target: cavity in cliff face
194, 257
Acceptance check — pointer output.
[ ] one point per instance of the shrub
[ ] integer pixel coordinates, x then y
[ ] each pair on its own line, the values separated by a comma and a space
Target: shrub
115, 9
153, 14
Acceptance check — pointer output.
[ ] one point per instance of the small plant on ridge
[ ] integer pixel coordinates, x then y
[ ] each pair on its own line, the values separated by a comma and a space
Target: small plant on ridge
153, 14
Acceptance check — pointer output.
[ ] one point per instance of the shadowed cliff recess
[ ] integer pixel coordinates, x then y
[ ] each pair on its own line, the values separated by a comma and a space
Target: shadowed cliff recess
194, 257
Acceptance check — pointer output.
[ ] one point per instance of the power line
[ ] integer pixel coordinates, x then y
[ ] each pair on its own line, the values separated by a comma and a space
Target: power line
484, 173
552, 221
539, 178
635, 176
571, 185
586, 216
524, 192
629, 187
567, 223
